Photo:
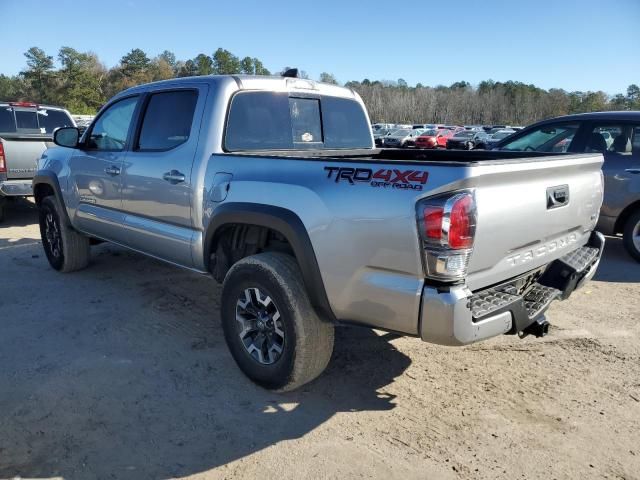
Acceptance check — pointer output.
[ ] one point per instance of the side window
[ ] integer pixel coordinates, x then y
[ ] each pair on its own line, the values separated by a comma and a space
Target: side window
613, 138
110, 130
636, 140
546, 138
49, 120
167, 120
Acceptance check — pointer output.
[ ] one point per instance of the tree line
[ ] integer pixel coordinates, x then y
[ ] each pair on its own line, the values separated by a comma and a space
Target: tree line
82, 83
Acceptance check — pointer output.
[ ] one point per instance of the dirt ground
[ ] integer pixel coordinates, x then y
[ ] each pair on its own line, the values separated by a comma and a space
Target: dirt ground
121, 371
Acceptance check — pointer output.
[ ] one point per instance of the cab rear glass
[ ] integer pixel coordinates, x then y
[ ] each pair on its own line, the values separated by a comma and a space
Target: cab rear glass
283, 121
32, 120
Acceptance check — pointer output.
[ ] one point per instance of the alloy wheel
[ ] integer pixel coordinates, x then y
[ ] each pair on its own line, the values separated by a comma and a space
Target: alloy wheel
261, 327
52, 235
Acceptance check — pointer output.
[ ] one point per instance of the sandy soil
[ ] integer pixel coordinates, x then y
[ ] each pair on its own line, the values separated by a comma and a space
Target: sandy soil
121, 371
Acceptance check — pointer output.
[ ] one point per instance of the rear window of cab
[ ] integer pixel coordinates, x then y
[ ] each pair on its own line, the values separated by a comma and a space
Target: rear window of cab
283, 121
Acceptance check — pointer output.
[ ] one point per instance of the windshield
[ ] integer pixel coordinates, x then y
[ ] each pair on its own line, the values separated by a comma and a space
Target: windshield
430, 133
500, 135
401, 133
465, 134
546, 138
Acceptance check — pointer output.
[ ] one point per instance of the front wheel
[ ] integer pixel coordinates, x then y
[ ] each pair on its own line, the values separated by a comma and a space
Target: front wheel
270, 327
631, 235
66, 249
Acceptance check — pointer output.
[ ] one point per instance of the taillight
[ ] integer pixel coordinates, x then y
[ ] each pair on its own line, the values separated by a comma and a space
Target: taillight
433, 221
3, 162
462, 222
447, 227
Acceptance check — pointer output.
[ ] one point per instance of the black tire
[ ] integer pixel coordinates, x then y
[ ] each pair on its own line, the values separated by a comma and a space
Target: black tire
66, 249
1, 211
631, 230
307, 343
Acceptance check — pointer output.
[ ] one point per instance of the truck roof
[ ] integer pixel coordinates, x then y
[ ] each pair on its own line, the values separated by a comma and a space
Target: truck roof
254, 82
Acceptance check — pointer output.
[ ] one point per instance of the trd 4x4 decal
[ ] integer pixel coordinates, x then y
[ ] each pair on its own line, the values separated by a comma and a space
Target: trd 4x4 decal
384, 177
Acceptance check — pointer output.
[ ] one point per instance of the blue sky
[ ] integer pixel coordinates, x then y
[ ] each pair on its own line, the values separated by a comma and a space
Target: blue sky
570, 44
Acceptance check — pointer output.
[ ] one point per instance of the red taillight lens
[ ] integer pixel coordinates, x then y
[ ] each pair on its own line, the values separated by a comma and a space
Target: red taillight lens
433, 221
3, 163
461, 227
449, 221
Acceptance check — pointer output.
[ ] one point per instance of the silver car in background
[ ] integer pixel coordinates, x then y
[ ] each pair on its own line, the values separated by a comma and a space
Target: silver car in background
614, 134
402, 138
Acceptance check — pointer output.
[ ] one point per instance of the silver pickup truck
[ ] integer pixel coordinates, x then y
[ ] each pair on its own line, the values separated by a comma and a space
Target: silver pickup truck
26, 130
272, 186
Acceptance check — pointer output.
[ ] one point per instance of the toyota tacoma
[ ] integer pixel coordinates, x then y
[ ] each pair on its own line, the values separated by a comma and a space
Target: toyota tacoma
273, 186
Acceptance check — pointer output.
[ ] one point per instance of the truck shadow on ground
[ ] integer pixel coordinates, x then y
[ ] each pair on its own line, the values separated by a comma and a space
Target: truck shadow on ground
616, 264
147, 389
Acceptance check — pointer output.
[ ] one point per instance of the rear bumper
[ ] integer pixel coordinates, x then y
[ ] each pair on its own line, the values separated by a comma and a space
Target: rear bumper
16, 188
459, 317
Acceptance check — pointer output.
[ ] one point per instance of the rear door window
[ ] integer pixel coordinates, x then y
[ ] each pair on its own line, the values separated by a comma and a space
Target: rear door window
616, 138
26, 120
556, 138
278, 121
167, 120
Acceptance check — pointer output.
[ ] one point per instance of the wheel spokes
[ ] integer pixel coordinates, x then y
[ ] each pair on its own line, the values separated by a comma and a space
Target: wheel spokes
260, 326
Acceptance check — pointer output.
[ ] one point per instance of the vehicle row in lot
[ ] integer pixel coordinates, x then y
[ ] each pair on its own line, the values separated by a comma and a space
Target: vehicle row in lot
429, 136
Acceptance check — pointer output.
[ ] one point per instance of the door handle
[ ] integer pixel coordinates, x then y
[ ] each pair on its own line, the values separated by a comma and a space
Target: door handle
112, 170
633, 170
174, 177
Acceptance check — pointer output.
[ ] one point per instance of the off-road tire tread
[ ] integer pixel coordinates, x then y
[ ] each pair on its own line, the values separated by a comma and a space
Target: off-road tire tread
75, 246
314, 337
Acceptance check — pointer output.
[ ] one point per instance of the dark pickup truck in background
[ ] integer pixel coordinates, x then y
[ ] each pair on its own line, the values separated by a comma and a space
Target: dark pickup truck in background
26, 130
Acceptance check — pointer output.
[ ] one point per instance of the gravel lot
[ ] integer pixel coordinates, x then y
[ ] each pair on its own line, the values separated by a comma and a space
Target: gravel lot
121, 371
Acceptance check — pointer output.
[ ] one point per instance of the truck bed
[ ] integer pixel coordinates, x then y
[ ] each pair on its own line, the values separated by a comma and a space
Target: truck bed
409, 156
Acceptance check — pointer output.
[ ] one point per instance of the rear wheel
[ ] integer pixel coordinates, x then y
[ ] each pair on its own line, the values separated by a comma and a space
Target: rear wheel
66, 249
631, 235
271, 329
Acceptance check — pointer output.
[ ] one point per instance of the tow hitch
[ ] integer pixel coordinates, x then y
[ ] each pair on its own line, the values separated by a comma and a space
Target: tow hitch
539, 328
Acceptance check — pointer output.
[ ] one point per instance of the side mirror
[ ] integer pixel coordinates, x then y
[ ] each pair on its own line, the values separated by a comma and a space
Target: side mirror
66, 137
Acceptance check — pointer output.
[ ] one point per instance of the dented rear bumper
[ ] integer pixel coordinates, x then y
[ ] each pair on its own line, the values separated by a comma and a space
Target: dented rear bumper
457, 316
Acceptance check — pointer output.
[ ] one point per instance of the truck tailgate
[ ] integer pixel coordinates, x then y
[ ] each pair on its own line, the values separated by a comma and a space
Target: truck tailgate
530, 213
22, 154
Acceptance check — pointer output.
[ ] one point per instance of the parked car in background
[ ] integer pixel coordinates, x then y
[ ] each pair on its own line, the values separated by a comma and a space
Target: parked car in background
26, 130
433, 138
401, 138
468, 140
494, 139
614, 134
378, 136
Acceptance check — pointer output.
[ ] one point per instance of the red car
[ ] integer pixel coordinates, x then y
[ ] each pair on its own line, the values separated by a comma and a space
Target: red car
433, 139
